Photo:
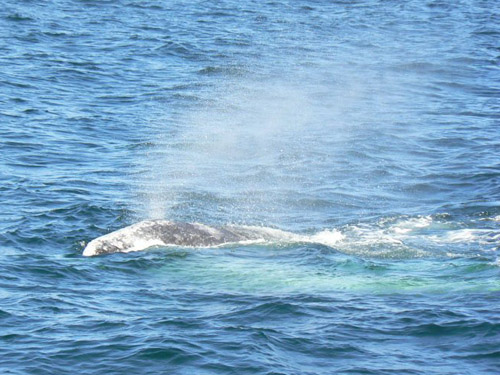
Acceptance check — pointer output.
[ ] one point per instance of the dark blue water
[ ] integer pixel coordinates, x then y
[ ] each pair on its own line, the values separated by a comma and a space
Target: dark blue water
373, 125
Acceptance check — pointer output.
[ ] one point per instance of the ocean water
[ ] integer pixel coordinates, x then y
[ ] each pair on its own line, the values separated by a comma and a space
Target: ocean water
371, 126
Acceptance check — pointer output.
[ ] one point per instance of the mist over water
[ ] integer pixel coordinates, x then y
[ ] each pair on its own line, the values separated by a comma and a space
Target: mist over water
247, 140
252, 137
367, 130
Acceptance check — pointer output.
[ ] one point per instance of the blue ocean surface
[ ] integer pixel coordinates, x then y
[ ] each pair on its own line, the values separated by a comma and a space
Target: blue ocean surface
371, 126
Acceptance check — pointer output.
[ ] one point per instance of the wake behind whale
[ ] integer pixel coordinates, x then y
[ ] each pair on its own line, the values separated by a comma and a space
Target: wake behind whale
398, 238
157, 233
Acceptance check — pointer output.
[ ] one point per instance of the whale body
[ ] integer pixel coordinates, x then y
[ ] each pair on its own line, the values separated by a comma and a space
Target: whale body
157, 233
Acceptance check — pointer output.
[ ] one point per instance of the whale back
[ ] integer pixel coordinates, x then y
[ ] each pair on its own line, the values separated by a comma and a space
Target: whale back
152, 233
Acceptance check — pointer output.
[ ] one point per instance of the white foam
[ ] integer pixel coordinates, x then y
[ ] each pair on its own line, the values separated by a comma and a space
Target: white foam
462, 235
367, 235
327, 237
479, 236
412, 224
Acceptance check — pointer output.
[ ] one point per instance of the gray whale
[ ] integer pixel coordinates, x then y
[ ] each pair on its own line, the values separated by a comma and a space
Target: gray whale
157, 233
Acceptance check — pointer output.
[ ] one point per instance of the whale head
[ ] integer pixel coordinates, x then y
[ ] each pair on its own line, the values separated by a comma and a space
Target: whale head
132, 238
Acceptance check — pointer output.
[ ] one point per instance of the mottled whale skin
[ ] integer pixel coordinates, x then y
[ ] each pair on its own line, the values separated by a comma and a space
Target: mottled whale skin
154, 233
